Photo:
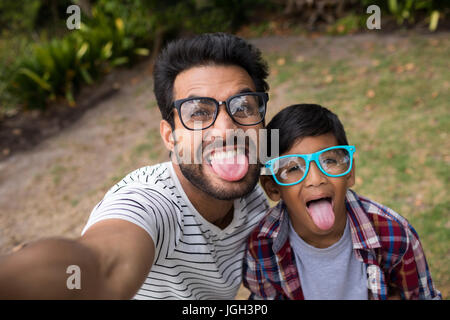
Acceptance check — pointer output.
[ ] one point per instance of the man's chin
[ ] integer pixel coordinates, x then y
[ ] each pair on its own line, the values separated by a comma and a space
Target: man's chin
204, 178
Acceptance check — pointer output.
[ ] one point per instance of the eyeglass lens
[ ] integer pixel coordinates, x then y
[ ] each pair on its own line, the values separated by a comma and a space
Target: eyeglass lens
292, 169
245, 110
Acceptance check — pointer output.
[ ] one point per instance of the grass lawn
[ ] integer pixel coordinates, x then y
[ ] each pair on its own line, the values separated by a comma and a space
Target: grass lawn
392, 96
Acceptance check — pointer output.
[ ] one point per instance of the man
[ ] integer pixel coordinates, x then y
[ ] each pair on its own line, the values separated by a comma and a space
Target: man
176, 230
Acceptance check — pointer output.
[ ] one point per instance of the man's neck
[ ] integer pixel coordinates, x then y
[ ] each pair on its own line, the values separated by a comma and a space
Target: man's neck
218, 212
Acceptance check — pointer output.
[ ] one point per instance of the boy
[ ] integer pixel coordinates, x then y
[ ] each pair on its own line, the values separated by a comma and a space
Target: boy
322, 240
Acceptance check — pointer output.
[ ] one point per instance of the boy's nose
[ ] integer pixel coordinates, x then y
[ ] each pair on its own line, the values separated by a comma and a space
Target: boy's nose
315, 177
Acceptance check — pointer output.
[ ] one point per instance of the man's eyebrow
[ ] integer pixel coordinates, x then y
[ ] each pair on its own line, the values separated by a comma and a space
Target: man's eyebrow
194, 96
245, 90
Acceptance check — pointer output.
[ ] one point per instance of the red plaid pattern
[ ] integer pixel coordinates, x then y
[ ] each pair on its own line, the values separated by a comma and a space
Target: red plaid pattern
382, 239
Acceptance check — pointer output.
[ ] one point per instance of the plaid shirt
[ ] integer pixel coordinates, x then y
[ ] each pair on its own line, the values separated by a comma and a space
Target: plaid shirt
382, 239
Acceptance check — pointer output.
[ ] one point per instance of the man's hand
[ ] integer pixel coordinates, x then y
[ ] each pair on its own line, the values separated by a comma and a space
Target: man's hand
114, 257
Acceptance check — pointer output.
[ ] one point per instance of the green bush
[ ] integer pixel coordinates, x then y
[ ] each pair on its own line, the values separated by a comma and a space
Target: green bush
59, 67
16, 16
10, 48
346, 25
220, 15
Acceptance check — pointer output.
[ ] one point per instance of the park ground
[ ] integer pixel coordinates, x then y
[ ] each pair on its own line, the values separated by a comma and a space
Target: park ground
390, 91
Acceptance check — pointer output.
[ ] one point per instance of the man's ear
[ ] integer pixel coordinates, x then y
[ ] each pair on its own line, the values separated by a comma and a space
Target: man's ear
165, 130
270, 187
351, 177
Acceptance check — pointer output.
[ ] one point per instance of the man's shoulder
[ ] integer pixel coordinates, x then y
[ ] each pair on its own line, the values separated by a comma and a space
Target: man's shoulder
255, 198
156, 176
149, 186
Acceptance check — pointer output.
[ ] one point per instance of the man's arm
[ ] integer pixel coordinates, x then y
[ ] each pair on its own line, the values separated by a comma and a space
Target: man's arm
114, 257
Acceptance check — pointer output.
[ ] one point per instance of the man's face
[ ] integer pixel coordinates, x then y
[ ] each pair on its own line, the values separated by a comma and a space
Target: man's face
214, 165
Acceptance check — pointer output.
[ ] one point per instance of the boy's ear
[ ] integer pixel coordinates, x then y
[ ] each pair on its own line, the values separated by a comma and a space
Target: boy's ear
270, 187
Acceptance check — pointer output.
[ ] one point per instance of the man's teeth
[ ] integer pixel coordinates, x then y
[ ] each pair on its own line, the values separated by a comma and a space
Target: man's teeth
220, 155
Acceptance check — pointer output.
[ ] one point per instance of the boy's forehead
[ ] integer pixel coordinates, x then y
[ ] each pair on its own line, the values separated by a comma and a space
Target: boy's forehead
311, 144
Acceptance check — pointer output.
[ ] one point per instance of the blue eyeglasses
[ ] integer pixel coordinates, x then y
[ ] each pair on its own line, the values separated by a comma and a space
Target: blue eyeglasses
293, 168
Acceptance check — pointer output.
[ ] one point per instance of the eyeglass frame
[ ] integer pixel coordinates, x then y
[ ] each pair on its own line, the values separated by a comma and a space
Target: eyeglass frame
312, 157
263, 95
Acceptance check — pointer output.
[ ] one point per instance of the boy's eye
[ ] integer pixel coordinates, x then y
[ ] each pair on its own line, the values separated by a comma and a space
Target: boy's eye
329, 161
293, 168
292, 171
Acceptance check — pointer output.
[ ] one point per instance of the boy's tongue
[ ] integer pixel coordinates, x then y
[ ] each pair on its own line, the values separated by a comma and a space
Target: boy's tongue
322, 214
232, 168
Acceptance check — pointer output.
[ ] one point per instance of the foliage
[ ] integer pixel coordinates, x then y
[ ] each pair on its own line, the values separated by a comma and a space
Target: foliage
221, 15
33, 15
57, 68
15, 16
114, 33
346, 25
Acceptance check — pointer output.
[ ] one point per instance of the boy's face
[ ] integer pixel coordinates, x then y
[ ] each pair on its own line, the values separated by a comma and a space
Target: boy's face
301, 198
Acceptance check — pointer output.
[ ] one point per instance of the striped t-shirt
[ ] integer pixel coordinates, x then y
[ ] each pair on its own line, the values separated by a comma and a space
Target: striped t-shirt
194, 259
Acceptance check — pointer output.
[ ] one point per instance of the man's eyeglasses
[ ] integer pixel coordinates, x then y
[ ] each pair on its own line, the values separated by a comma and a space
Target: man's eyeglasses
199, 113
293, 168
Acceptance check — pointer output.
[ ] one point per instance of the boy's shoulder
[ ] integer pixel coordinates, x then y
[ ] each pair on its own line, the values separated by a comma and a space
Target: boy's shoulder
391, 229
267, 230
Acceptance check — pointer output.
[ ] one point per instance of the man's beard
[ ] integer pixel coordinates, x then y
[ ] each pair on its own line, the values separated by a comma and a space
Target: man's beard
193, 173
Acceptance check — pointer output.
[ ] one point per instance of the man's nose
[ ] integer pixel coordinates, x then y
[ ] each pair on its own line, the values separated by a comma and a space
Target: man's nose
223, 121
315, 177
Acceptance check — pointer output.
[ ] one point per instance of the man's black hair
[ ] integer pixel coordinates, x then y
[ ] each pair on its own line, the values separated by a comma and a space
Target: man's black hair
305, 120
202, 50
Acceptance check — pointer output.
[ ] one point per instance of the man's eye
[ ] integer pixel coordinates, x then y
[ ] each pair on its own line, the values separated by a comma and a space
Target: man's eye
246, 111
200, 113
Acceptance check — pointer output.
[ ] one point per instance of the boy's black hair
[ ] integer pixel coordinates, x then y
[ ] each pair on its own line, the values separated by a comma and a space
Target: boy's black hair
202, 50
305, 120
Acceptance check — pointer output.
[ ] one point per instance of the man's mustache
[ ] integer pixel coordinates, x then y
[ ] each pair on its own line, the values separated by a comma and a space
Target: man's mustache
236, 141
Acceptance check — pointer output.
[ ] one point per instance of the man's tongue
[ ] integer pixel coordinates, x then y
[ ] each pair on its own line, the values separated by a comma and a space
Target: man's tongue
232, 168
322, 214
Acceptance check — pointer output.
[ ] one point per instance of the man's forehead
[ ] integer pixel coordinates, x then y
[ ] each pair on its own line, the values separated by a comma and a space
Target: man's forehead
212, 81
